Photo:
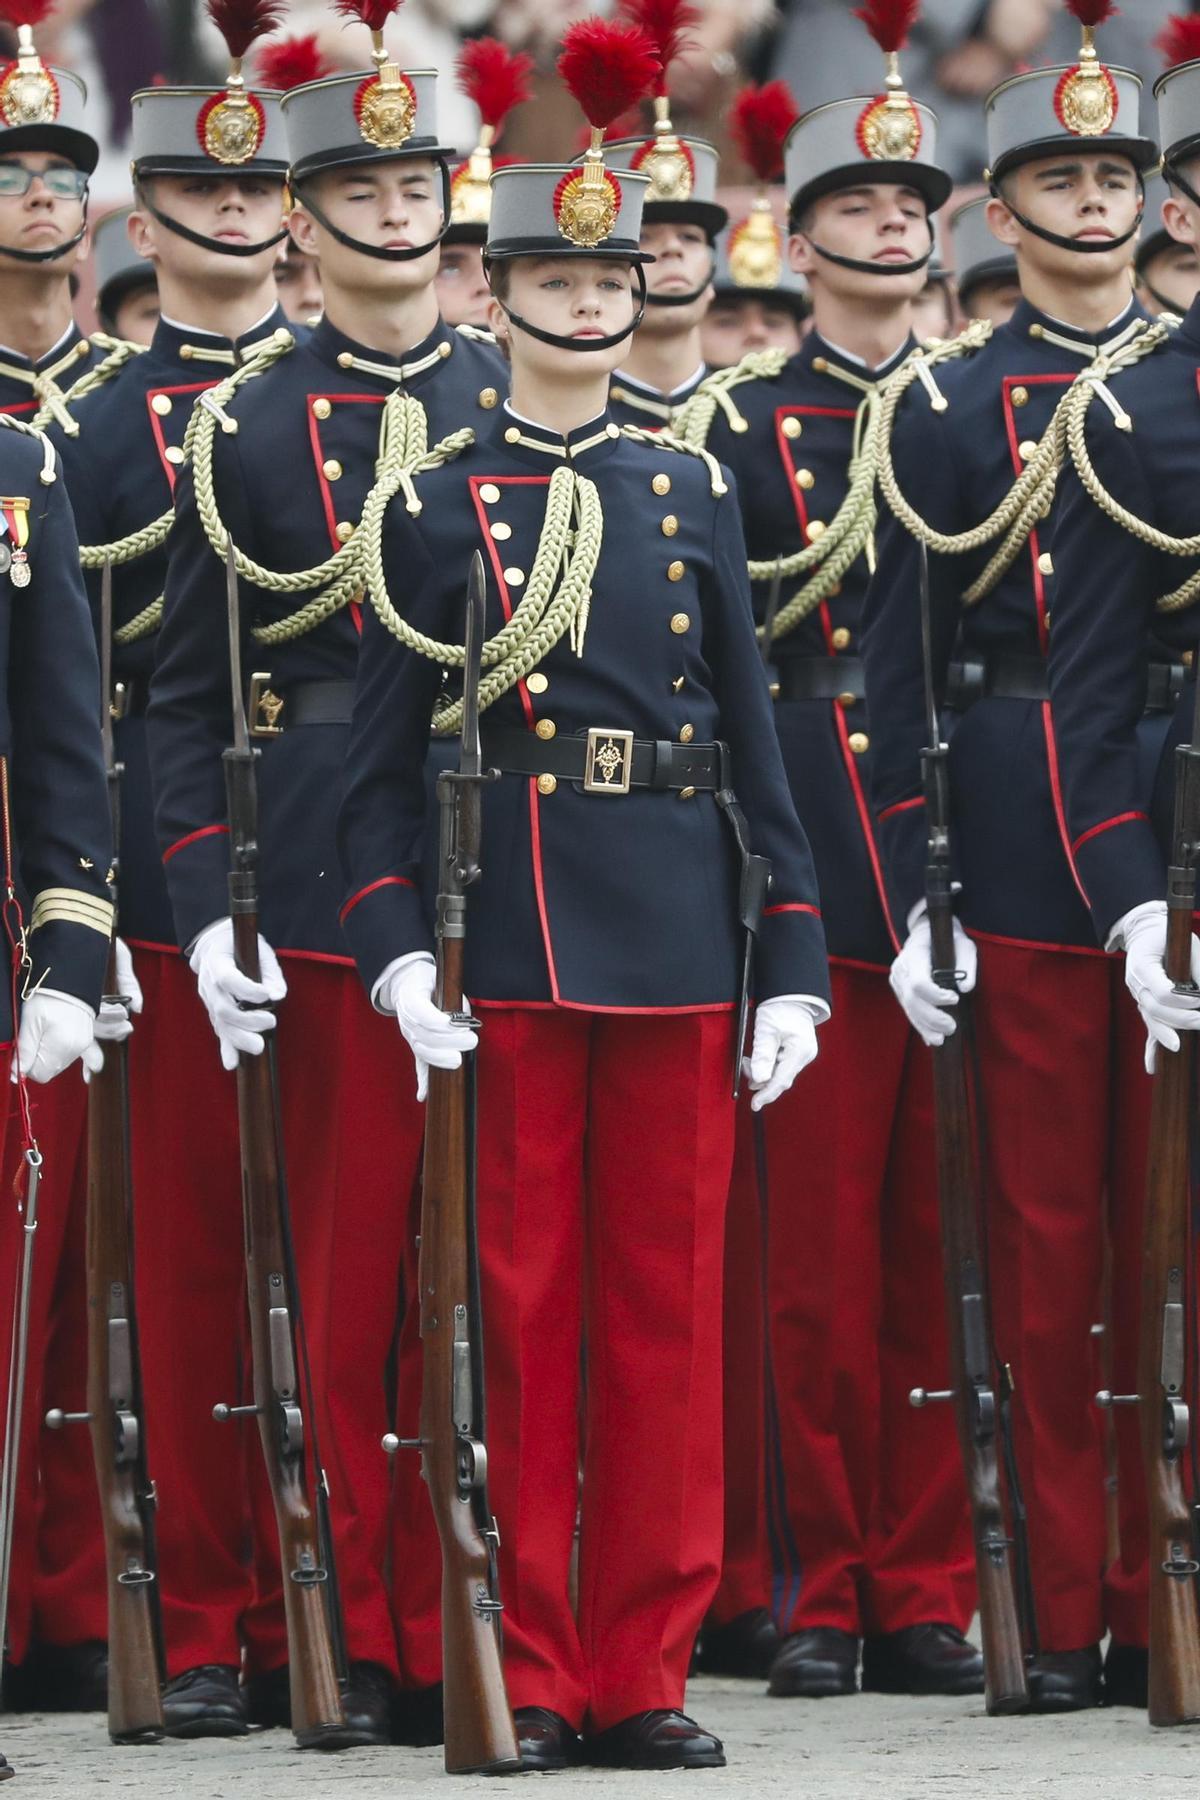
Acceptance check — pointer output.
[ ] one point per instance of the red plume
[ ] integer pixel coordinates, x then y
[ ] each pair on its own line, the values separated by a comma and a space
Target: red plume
1179, 40
374, 14
1091, 12
290, 63
760, 119
494, 77
666, 23
607, 67
889, 21
24, 12
241, 22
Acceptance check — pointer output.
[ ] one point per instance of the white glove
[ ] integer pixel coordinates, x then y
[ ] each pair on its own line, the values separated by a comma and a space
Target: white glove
115, 1024
924, 1000
56, 1030
784, 1042
1143, 933
406, 989
225, 992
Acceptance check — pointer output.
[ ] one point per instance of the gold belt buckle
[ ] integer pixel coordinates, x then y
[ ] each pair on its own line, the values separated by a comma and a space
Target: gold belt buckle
265, 708
609, 761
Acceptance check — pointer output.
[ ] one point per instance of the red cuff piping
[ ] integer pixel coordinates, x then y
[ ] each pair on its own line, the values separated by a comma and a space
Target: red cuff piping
193, 837
384, 881
1125, 818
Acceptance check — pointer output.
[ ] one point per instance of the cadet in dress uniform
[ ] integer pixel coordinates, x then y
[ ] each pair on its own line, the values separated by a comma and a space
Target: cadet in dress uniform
1122, 607
126, 288
58, 852
985, 269
866, 1510
497, 80
289, 456
47, 154
1168, 272
1065, 1123
208, 216
602, 953
759, 302
680, 225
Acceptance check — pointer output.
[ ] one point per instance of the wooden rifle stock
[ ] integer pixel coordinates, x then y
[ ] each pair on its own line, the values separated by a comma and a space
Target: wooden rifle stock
315, 1695
1168, 1295
115, 1412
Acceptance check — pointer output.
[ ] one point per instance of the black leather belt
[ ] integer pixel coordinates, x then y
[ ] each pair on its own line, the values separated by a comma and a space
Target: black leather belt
274, 710
819, 678
604, 761
1013, 677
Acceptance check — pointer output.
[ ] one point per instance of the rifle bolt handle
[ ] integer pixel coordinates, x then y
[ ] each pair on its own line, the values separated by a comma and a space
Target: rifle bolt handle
221, 1412
390, 1443
56, 1418
919, 1397
1106, 1399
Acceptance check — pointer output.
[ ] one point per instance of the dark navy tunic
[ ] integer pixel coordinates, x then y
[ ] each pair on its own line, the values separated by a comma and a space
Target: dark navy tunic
607, 903
25, 384
956, 466
121, 466
1118, 777
290, 485
634, 402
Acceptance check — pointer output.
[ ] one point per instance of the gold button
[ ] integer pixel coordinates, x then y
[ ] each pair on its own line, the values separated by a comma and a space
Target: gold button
185, 353
514, 577
537, 683
489, 493
820, 364
546, 784
805, 479
282, 335
688, 793
814, 529
1046, 563
444, 350
661, 484
612, 429
321, 409
345, 359
1020, 396
488, 397
677, 685
546, 728
686, 733
512, 434
343, 531
174, 453
1027, 450
859, 741
500, 530
1036, 330
846, 699
332, 470
680, 623
670, 525
161, 404
841, 638
792, 428
675, 571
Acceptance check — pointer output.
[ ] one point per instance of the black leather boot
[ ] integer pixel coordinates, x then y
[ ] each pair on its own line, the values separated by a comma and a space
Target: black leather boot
923, 1659
818, 1664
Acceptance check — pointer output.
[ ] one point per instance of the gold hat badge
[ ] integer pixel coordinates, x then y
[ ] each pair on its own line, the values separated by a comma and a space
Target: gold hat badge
889, 129
759, 121
231, 125
385, 104
608, 68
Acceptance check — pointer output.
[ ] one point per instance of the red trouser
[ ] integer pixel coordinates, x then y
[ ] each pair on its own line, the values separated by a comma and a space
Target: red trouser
1067, 1117
745, 1565
70, 1603
866, 1504
605, 1149
191, 1310
352, 1134
58, 1111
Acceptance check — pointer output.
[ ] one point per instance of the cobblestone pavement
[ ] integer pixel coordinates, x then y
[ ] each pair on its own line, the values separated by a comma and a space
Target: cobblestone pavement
809, 1750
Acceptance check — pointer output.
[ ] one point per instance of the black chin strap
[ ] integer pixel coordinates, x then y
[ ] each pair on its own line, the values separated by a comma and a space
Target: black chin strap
206, 243
1170, 306
874, 268
1094, 247
696, 293
571, 343
383, 252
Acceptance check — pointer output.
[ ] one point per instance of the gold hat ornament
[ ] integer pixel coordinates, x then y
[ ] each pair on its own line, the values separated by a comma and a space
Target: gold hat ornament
608, 67
759, 121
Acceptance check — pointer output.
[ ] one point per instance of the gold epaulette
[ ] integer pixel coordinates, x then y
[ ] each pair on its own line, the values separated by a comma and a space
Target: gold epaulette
695, 417
670, 440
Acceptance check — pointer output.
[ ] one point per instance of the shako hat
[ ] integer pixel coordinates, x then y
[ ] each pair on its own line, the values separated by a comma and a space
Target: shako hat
497, 80
1178, 94
42, 108
233, 129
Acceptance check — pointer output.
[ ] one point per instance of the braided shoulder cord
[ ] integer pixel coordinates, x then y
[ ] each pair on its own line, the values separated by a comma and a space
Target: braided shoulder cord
1077, 405
119, 352
567, 553
48, 473
667, 440
694, 420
